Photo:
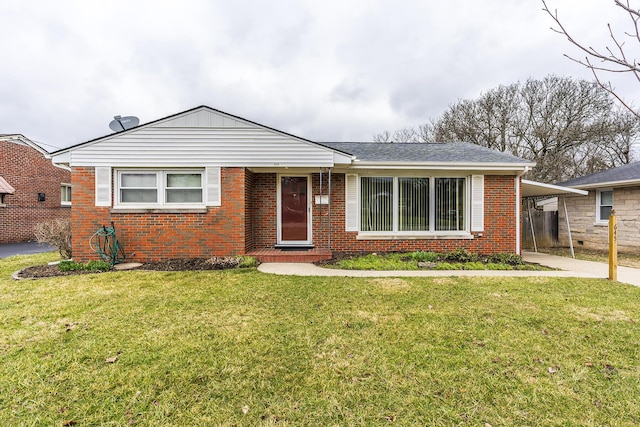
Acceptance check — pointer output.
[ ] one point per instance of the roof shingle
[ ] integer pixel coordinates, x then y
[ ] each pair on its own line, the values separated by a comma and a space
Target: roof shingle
628, 172
456, 152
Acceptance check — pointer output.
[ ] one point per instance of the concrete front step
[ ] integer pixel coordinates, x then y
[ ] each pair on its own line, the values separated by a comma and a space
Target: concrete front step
290, 255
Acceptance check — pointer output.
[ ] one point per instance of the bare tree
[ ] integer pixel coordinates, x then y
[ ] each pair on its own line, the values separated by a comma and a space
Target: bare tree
422, 133
568, 127
610, 59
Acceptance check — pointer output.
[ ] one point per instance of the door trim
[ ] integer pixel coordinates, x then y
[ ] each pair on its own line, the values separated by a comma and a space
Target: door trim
279, 240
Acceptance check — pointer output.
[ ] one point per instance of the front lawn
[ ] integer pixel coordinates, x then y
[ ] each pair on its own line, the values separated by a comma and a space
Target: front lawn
240, 347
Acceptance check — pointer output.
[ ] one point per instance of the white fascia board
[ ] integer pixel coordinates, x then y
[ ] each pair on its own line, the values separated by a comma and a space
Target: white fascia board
535, 189
446, 166
23, 139
342, 159
625, 183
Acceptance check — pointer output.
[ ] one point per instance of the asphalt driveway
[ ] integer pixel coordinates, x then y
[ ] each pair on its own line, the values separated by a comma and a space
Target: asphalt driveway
10, 249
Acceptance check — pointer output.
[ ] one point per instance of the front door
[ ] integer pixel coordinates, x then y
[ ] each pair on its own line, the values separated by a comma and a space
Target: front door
294, 210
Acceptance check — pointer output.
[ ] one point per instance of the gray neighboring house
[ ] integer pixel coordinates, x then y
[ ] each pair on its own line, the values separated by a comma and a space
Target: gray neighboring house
617, 188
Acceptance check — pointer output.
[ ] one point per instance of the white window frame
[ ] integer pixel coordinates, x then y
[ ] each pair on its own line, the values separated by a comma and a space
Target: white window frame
66, 187
161, 187
395, 232
599, 204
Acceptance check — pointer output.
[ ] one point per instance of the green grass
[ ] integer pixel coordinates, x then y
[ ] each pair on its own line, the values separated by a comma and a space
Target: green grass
456, 260
244, 348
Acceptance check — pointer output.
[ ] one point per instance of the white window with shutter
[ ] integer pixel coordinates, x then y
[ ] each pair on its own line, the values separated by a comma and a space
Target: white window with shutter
405, 205
167, 189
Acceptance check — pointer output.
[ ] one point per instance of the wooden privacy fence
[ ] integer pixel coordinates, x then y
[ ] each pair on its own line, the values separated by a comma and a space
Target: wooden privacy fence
545, 226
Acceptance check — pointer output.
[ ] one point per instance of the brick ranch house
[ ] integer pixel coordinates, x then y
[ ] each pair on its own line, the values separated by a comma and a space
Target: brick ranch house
32, 190
617, 188
205, 183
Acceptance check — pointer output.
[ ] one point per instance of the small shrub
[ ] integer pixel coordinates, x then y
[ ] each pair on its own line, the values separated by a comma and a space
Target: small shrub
473, 266
223, 263
57, 233
505, 258
248, 262
461, 255
449, 266
97, 266
420, 256
497, 266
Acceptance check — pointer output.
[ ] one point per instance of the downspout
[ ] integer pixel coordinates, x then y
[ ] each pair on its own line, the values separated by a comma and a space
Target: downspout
320, 204
329, 211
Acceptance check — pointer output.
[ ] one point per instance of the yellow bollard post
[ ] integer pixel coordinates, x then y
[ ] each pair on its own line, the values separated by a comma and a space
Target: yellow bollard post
613, 246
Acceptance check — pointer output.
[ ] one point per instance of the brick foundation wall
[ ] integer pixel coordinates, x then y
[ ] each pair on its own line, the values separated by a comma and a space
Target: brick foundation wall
29, 173
152, 236
499, 234
586, 233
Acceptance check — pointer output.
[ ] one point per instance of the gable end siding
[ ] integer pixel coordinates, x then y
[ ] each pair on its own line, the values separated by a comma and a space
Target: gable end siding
197, 147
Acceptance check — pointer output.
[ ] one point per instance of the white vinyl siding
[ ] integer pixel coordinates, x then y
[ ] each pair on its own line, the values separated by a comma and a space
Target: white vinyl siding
173, 147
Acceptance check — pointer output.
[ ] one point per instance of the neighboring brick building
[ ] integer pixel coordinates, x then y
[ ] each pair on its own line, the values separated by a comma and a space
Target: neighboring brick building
617, 188
38, 189
205, 183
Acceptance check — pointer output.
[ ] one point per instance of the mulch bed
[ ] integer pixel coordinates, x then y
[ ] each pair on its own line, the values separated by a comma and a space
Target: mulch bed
188, 264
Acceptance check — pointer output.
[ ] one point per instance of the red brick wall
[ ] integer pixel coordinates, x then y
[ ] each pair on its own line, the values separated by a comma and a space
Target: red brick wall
265, 212
248, 211
29, 173
150, 236
224, 231
499, 234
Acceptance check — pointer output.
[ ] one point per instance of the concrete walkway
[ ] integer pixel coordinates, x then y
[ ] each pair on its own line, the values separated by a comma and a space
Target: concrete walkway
569, 268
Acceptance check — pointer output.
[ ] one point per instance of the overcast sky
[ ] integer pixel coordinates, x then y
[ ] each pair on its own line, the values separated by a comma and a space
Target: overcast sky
323, 70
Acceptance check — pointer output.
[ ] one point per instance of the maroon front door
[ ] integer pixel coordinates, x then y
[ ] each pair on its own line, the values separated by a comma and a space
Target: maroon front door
294, 219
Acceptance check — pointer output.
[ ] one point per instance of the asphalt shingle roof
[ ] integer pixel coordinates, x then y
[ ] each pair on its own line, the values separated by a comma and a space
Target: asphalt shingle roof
627, 172
459, 152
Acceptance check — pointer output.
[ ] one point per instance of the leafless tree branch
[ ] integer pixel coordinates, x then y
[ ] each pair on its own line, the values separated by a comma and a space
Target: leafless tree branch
614, 60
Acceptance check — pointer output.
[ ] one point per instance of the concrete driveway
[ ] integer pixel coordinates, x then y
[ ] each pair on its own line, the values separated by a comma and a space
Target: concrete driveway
598, 270
10, 249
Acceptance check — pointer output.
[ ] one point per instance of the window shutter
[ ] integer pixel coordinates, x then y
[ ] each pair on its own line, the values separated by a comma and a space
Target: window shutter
213, 186
103, 186
477, 203
351, 202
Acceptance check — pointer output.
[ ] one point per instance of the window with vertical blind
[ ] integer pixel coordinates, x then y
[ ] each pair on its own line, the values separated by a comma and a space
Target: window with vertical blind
409, 205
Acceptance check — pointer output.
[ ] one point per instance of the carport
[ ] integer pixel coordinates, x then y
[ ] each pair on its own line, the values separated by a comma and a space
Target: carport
531, 189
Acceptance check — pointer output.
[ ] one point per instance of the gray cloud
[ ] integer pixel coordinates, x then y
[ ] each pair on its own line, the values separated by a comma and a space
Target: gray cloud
328, 70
